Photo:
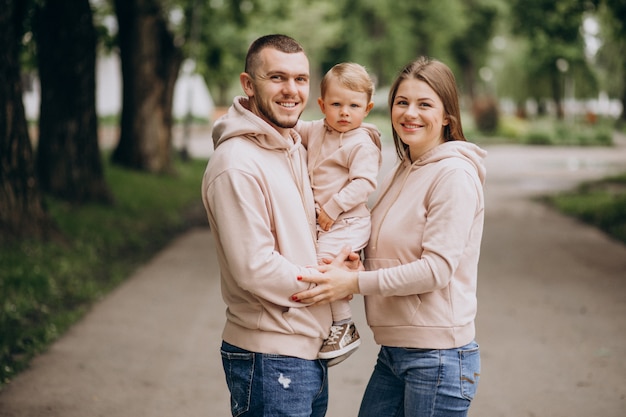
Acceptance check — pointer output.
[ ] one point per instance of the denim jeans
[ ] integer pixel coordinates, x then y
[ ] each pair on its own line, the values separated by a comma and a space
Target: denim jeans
262, 384
422, 382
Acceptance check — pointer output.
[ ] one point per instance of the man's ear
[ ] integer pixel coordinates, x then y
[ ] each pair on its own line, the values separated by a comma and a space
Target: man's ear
246, 83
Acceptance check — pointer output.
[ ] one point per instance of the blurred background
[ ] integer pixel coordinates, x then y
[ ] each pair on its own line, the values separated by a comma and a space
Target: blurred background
106, 109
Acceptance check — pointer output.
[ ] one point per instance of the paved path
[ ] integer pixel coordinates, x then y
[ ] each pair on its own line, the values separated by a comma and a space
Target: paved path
551, 324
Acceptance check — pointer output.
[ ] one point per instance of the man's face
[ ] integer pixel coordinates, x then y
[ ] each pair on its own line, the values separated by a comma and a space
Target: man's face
279, 88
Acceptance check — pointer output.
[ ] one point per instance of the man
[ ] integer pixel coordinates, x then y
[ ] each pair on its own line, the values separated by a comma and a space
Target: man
260, 207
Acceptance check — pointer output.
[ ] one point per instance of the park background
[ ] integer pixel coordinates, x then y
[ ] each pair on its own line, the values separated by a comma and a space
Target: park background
101, 101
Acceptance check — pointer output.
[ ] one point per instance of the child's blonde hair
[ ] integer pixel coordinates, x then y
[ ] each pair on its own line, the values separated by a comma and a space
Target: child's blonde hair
350, 75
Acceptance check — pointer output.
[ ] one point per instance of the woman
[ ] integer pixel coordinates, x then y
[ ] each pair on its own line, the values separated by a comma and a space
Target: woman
421, 262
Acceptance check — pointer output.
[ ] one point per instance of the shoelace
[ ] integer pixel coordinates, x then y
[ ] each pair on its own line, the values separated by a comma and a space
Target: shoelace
335, 332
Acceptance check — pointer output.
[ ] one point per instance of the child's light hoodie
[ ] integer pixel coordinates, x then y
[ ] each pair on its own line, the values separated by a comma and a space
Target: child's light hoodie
343, 167
427, 228
260, 207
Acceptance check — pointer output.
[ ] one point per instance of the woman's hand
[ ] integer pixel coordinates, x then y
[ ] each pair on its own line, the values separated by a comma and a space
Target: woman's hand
339, 280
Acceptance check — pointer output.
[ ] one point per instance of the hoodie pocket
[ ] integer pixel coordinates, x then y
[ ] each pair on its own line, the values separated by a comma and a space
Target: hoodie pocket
391, 310
306, 321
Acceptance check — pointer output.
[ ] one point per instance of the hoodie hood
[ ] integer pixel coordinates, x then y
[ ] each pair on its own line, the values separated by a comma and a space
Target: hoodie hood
242, 123
466, 151
373, 132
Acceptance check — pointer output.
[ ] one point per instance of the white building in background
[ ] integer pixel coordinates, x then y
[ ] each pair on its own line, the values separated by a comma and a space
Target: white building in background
190, 92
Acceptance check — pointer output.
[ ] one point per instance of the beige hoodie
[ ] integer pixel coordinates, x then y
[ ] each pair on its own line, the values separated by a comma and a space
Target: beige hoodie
422, 258
260, 208
342, 166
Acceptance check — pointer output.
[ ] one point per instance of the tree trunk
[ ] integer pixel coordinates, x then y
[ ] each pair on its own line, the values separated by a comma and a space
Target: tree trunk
622, 117
469, 80
557, 95
69, 163
150, 65
21, 211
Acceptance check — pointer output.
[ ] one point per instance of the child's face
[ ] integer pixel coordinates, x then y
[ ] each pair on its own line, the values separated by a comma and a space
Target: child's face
344, 109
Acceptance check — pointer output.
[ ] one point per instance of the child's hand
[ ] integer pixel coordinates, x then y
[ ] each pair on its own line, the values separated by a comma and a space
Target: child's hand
324, 220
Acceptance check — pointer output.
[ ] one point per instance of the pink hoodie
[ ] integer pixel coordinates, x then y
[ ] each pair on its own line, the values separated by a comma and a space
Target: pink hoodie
422, 258
260, 208
342, 166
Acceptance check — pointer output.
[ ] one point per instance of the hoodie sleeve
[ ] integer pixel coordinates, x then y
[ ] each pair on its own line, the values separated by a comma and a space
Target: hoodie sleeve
240, 217
454, 206
304, 129
364, 164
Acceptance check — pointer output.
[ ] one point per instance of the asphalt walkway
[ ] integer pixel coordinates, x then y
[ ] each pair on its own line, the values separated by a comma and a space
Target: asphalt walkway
551, 323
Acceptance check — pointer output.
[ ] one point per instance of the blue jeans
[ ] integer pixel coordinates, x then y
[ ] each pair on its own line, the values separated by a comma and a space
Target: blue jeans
422, 382
262, 384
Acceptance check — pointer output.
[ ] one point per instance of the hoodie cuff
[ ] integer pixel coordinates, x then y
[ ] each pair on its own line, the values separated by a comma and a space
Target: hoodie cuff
368, 282
333, 209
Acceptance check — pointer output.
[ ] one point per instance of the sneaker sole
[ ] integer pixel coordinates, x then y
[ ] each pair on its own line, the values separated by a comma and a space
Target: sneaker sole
338, 360
337, 353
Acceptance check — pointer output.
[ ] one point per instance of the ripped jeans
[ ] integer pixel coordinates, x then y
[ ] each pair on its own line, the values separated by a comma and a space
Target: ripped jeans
262, 384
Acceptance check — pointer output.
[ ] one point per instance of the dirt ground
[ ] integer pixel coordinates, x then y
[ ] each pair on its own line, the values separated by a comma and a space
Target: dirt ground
551, 322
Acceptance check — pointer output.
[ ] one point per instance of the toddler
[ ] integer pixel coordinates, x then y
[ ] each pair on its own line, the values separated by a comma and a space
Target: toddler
344, 157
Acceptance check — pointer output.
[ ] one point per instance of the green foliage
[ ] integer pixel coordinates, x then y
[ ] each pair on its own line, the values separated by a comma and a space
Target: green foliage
568, 134
46, 286
386, 35
226, 29
611, 59
519, 41
543, 131
538, 137
601, 204
471, 46
512, 127
542, 33
383, 36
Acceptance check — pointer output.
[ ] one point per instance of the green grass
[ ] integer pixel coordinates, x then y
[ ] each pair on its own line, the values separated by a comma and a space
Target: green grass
600, 203
543, 131
45, 287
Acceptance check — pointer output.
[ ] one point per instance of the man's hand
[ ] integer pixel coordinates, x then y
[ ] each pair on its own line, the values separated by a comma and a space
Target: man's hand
348, 260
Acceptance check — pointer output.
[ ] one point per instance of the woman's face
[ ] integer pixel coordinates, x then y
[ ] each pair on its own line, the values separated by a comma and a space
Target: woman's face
418, 117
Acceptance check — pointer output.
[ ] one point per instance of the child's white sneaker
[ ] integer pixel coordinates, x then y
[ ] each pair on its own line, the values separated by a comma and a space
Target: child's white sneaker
342, 342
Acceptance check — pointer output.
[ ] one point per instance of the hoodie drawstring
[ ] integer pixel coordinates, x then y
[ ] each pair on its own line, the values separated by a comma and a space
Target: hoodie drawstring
299, 180
375, 233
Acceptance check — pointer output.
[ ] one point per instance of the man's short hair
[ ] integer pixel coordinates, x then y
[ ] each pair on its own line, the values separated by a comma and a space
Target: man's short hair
282, 43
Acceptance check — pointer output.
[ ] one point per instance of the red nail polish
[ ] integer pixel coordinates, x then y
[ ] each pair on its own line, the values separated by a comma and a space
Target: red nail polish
294, 298
299, 278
